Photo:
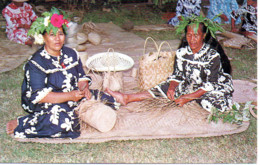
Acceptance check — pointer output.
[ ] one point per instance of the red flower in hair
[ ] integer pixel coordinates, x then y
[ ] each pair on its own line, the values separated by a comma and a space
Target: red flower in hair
57, 20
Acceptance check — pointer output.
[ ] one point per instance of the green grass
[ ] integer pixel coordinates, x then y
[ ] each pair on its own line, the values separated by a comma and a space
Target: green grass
236, 148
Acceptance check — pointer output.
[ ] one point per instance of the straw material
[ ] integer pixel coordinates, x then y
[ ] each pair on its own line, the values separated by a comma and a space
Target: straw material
157, 123
155, 67
154, 119
96, 114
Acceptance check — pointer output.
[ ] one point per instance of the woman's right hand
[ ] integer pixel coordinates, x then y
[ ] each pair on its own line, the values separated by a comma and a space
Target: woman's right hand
76, 95
170, 94
171, 89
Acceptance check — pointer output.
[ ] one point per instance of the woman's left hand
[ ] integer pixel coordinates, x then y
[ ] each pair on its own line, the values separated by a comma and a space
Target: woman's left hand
88, 94
83, 86
189, 97
182, 100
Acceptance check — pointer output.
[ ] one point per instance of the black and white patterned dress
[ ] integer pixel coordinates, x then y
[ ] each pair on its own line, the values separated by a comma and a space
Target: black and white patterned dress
43, 74
202, 70
249, 14
185, 8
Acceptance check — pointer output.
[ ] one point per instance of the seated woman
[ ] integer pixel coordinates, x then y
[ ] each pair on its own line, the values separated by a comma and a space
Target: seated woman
223, 7
19, 17
201, 72
185, 8
249, 14
54, 82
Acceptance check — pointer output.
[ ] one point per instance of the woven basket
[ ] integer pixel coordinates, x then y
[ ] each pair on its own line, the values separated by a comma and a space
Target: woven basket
109, 61
97, 114
155, 67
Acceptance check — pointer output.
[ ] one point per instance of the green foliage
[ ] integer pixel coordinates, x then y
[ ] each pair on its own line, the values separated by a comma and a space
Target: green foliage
235, 115
39, 26
211, 25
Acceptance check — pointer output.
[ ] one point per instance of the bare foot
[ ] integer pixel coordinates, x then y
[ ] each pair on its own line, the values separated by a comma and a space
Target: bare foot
10, 126
119, 97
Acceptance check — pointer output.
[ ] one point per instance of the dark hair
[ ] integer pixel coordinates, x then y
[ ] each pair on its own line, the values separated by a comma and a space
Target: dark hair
214, 44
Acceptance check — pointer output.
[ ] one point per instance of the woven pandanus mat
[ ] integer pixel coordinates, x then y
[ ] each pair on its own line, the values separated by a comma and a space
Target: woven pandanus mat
154, 120
13, 54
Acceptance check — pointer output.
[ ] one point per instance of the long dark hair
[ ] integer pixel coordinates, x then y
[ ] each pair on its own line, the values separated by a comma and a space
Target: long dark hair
214, 44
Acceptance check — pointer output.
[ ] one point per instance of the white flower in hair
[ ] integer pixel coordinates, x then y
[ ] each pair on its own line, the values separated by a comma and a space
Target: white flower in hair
46, 21
38, 39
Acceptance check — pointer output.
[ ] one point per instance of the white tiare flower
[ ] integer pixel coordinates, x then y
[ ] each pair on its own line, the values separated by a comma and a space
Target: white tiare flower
31, 131
71, 103
33, 121
54, 118
67, 125
45, 54
222, 78
46, 21
206, 105
28, 94
68, 60
38, 39
19, 135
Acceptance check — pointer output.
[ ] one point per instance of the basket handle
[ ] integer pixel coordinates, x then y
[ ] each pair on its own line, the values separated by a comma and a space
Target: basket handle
145, 43
108, 51
160, 48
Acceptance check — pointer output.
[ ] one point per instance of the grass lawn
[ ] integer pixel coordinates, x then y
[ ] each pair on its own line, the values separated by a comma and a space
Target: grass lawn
236, 148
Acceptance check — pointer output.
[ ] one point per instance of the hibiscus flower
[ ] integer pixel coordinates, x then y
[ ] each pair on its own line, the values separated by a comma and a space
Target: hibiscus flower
57, 20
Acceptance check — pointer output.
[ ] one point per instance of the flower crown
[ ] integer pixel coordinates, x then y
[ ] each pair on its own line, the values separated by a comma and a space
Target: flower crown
52, 20
211, 25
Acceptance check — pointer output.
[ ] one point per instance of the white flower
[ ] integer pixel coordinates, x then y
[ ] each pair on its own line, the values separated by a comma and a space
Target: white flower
46, 21
28, 94
222, 78
208, 86
31, 131
206, 105
38, 39
19, 135
67, 124
45, 54
33, 121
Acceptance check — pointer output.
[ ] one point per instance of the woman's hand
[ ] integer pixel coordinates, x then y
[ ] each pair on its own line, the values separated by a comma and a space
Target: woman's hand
87, 94
76, 95
171, 90
189, 97
183, 100
84, 86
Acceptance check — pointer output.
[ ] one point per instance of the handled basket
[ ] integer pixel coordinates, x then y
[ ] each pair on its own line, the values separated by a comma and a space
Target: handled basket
155, 67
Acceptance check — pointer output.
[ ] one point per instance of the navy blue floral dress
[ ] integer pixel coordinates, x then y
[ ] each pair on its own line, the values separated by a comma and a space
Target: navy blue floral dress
43, 74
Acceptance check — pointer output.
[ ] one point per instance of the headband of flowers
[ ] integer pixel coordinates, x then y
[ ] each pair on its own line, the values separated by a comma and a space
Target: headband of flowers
212, 26
52, 20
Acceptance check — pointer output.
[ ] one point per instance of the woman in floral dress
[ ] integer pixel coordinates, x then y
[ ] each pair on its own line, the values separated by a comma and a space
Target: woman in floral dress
19, 17
54, 83
201, 72
249, 14
225, 8
185, 8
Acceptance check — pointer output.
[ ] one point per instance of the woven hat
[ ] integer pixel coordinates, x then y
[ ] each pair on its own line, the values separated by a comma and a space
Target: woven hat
109, 61
19, 0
